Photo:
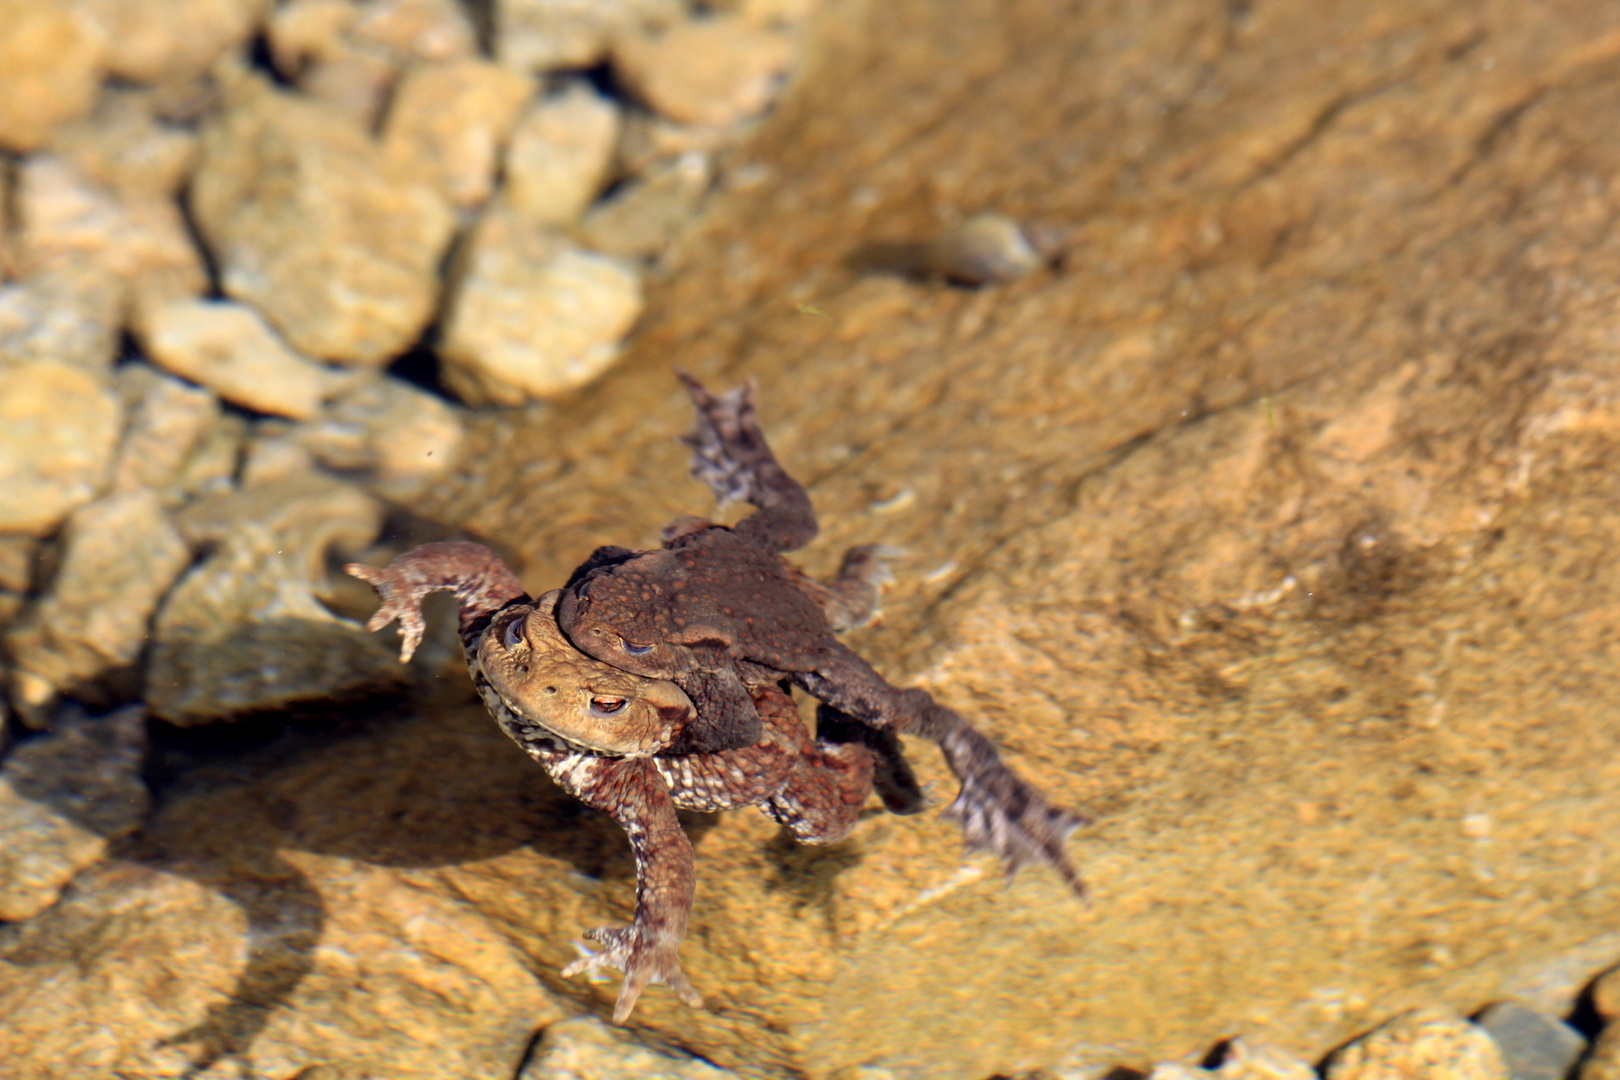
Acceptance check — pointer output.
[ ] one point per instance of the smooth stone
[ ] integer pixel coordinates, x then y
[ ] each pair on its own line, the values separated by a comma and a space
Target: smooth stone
561, 155
64, 796
59, 427
1534, 1045
986, 248
448, 122
714, 71
228, 348
118, 556
531, 315
309, 227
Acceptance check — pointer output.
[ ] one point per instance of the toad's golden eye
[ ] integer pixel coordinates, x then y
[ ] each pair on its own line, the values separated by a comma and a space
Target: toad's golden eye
606, 706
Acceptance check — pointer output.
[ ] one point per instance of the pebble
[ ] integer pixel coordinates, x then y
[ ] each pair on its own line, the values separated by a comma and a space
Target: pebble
713, 71
226, 347
63, 797
585, 1048
58, 428
51, 58
308, 226
448, 122
254, 598
985, 249
150, 41
554, 35
646, 214
1422, 1044
560, 155
532, 315
1535, 1046
118, 556
387, 435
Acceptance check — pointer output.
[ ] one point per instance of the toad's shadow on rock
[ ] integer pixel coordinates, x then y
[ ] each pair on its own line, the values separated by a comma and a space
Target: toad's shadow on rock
438, 786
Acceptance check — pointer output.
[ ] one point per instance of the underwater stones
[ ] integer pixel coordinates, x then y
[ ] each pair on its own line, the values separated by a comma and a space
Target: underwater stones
58, 429
560, 155
712, 71
50, 69
448, 122
1423, 1044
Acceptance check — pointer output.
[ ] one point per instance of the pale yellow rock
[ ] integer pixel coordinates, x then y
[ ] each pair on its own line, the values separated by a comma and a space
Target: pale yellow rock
63, 797
532, 315
1606, 994
643, 216
51, 57
310, 228
448, 122
551, 35
1423, 1044
58, 428
150, 41
226, 347
712, 71
119, 555
560, 155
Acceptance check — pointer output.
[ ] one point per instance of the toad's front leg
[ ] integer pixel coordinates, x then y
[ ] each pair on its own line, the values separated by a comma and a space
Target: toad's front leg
483, 584
630, 791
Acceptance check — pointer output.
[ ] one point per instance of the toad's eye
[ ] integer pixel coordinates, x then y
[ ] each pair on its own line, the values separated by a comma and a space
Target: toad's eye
637, 650
606, 706
514, 633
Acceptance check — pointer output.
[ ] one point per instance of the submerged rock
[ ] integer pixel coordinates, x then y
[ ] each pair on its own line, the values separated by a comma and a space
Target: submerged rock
712, 71
448, 122
243, 631
58, 429
64, 796
51, 58
560, 155
1420, 1045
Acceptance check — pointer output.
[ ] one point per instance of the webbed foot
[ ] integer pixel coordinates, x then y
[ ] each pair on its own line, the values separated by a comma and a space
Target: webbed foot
483, 584
646, 957
730, 454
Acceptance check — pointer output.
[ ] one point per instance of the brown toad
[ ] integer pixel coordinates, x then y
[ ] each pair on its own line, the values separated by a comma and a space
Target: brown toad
716, 610
720, 615
603, 735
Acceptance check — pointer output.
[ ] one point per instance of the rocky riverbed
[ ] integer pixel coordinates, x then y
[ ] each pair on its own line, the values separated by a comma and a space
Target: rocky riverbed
1240, 380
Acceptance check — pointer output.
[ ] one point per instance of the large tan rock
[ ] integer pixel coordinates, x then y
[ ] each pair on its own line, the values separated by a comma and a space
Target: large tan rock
532, 315
51, 58
310, 227
58, 429
448, 122
712, 71
119, 555
560, 155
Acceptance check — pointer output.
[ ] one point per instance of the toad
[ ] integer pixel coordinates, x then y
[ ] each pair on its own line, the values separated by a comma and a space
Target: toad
716, 610
604, 735
716, 624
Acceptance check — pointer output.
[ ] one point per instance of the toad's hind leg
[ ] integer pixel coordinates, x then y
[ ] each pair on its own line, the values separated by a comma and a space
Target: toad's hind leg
850, 599
998, 810
730, 454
